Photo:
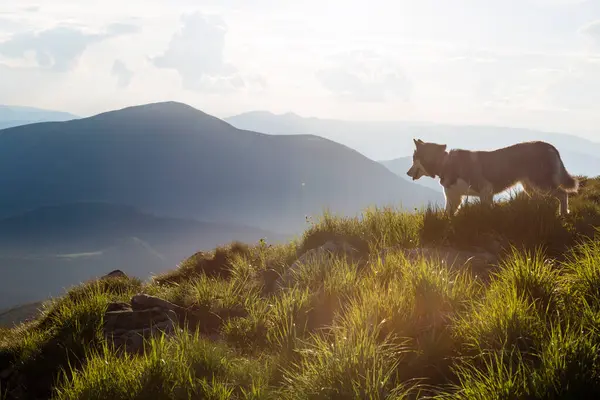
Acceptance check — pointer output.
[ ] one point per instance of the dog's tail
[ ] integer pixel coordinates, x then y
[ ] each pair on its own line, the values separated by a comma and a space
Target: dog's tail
564, 180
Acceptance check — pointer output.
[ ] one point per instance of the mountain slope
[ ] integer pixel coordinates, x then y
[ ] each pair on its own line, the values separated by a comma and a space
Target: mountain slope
382, 140
51, 248
171, 159
17, 115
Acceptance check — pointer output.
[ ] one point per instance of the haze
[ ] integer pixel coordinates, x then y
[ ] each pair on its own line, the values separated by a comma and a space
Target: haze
519, 63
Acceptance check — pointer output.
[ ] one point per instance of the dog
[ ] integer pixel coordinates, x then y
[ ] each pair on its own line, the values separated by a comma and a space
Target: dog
537, 165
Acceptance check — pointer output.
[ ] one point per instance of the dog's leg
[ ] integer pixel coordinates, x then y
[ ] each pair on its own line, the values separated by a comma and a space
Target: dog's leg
528, 188
545, 190
453, 200
563, 198
486, 199
486, 196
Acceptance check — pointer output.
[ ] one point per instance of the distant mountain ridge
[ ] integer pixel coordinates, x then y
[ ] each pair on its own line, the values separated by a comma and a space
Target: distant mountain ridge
390, 140
171, 159
11, 116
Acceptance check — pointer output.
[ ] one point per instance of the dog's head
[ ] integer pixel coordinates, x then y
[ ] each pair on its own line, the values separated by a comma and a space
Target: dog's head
426, 159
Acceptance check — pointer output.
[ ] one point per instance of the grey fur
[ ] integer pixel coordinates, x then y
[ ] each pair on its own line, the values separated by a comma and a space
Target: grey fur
536, 165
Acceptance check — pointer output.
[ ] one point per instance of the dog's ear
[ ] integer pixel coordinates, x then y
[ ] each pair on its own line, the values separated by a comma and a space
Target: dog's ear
418, 142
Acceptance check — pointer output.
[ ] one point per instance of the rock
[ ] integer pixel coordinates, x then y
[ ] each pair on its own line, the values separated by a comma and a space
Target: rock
126, 326
120, 306
4, 374
117, 273
136, 319
127, 329
325, 254
269, 278
493, 243
142, 301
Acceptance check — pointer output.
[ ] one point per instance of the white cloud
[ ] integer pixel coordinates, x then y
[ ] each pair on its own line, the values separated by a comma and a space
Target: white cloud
20, 85
196, 53
557, 2
123, 74
59, 48
592, 31
31, 9
365, 76
576, 88
8, 24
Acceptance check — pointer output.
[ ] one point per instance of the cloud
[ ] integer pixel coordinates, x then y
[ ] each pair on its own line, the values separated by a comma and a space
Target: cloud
57, 49
592, 31
576, 88
123, 74
558, 2
366, 77
196, 53
9, 24
119, 28
31, 9
523, 80
21, 85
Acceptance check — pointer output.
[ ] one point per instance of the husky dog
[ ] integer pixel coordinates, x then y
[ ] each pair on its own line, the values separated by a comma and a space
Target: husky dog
536, 165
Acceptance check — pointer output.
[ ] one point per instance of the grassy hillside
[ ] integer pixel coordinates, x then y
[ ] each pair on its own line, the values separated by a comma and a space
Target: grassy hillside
379, 324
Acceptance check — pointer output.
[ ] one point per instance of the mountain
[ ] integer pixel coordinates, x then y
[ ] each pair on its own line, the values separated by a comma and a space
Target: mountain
9, 317
17, 115
354, 134
171, 159
390, 140
48, 249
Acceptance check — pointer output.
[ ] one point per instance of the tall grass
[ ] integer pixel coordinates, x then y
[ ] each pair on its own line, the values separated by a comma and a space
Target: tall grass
66, 330
366, 327
186, 367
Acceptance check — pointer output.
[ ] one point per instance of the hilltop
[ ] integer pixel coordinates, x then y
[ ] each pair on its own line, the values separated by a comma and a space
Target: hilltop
223, 174
492, 303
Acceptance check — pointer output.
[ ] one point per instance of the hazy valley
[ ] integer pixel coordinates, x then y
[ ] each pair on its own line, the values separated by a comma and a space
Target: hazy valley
64, 245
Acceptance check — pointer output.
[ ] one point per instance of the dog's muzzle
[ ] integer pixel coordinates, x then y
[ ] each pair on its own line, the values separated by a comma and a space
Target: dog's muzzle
413, 173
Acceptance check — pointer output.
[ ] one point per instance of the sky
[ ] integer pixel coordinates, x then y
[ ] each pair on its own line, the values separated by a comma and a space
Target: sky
522, 63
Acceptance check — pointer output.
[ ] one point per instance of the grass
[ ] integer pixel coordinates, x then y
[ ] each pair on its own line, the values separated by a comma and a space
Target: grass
361, 327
